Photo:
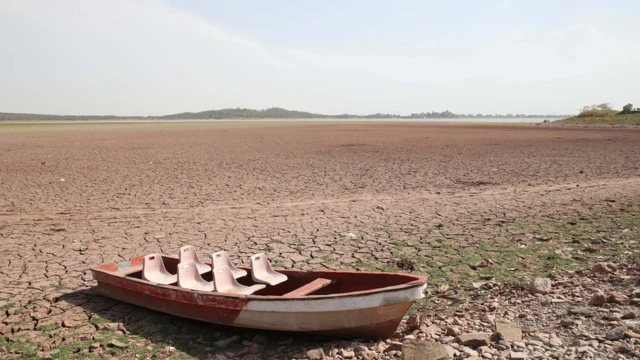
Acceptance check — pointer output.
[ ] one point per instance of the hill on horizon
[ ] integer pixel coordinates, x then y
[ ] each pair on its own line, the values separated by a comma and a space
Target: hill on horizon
270, 113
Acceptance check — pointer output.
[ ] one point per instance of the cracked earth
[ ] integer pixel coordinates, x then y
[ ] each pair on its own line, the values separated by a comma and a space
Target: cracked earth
350, 196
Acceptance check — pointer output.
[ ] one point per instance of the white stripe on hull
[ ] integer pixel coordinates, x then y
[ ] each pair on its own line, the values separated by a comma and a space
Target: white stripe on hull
338, 303
328, 314
320, 321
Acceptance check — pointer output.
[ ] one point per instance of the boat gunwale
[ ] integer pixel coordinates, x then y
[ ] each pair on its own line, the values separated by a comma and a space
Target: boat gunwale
417, 280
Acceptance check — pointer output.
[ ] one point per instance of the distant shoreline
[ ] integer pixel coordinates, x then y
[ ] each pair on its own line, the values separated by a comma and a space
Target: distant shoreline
273, 113
319, 120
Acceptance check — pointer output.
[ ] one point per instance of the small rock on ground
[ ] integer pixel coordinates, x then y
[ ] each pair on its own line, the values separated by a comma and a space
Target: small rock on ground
518, 355
316, 354
508, 331
118, 344
423, 350
474, 339
616, 333
540, 286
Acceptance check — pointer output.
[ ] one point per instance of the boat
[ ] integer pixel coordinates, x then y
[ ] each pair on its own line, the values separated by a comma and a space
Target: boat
348, 304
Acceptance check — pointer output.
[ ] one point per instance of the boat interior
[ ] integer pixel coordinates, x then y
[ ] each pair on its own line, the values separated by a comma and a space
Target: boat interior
220, 275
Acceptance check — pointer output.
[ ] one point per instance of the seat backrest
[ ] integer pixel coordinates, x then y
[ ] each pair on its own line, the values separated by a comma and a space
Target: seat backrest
260, 264
188, 253
187, 274
152, 265
221, 259
223, 279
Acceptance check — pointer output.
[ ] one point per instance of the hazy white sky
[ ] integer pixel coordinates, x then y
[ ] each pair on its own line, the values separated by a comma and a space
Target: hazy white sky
152, 57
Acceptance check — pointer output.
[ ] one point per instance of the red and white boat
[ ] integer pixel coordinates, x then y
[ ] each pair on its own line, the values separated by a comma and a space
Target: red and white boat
328, 303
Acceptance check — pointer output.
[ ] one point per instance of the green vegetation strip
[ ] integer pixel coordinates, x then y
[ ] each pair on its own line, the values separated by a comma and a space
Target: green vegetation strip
610, 119
520, 250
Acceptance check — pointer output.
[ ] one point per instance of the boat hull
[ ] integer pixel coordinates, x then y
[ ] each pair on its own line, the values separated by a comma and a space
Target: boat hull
363, 314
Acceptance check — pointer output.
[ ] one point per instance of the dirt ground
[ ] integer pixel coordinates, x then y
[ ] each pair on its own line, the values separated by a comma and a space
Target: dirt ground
447, 197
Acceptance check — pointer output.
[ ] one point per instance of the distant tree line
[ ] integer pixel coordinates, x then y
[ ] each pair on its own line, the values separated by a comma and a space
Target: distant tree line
449, 114
18, 116
270, 113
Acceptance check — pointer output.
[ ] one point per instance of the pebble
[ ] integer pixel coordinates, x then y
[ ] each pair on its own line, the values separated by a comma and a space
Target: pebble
395, 345
555, 342
604, 268
446, 339
453, 331
316, 354
632, 334
518, 355
423, 350
413, 321
584, 311
474, 339
487, 318
118, 344
453, 353
616, 333
598, 299
613, 317
368, 355
629, 315
228, 341
347, 354
534, 343
469, 351
569, 322
508, 331
540, 286
584, 349
360, 348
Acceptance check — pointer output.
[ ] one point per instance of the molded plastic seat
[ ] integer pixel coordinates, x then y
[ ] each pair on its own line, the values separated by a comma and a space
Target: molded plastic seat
221, 259
189, 277
188, 253
226, 283
261, 271
153, 270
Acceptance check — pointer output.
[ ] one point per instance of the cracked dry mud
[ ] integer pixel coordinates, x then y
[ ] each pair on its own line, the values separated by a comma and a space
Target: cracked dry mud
465, 203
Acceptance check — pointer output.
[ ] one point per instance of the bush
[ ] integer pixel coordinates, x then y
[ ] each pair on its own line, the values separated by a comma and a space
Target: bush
627, 109
596, 113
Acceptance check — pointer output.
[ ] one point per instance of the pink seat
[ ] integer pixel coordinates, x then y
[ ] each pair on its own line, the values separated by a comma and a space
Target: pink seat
189, 277
153, 270
226, 283
188, 253
221, 259
261, 271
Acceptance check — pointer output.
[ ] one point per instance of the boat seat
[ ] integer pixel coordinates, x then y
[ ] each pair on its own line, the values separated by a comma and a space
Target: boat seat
261, 271
316, 284
221, 259
189, 277
153, 270
225, 282
188, 253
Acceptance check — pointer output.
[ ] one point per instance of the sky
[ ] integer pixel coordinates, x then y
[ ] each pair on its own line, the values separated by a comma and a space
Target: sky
155, 57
